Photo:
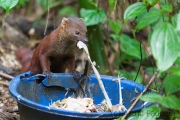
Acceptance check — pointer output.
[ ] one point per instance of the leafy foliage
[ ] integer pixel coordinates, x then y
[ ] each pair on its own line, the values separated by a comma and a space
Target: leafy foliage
172, 84
134, 10
164, 42
167, 101
178, 22
131, 46
166, 8
115, 26
8, 4
170, 102
149, 18
151, 2
164, 47
93, 17
151, 97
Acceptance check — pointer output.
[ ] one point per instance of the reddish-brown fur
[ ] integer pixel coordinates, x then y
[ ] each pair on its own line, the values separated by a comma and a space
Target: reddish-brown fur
56, 52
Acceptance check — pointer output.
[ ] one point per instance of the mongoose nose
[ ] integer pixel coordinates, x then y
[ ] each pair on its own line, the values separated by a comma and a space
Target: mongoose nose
85, 40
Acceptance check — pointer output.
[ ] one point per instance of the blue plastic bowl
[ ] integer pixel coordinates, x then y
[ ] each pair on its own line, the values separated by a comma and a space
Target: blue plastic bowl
34, 99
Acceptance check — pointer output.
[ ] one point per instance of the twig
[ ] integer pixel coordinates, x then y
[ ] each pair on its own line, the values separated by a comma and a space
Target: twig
137, 99
6, 76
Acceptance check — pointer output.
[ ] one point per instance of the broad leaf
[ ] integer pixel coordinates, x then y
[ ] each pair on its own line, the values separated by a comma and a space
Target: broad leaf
174, 70
114, 37
115, 26
134, 10
170, 102
131, 46
150, 113
93, 17
148, 19
178, 22
172, 84
8, 4
164, 45
174, 20
166, 8
151, 2
151, 97
177, 62
112, 4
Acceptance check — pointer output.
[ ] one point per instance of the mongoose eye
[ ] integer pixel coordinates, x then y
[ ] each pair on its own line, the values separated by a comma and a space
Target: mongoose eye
77, 33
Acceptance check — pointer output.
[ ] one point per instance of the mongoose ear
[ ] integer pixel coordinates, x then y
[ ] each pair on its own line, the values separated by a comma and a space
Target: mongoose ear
64, 22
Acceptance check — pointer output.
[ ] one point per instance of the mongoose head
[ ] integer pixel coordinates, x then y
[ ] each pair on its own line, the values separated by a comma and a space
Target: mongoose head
74, 29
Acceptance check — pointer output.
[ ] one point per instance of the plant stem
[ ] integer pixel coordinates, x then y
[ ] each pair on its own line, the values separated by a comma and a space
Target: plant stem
137, 99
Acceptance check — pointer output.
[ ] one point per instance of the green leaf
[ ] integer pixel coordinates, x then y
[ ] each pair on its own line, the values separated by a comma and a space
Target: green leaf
174, 20
166, 8
151, 97
131, 46
174, 70
148, 19
177, 62
150, 113
8, 4
178, 22
112, 4
114, 37
171, 102
115, 26
171, 84
93, 17
134, 10
151, 2
164, 45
